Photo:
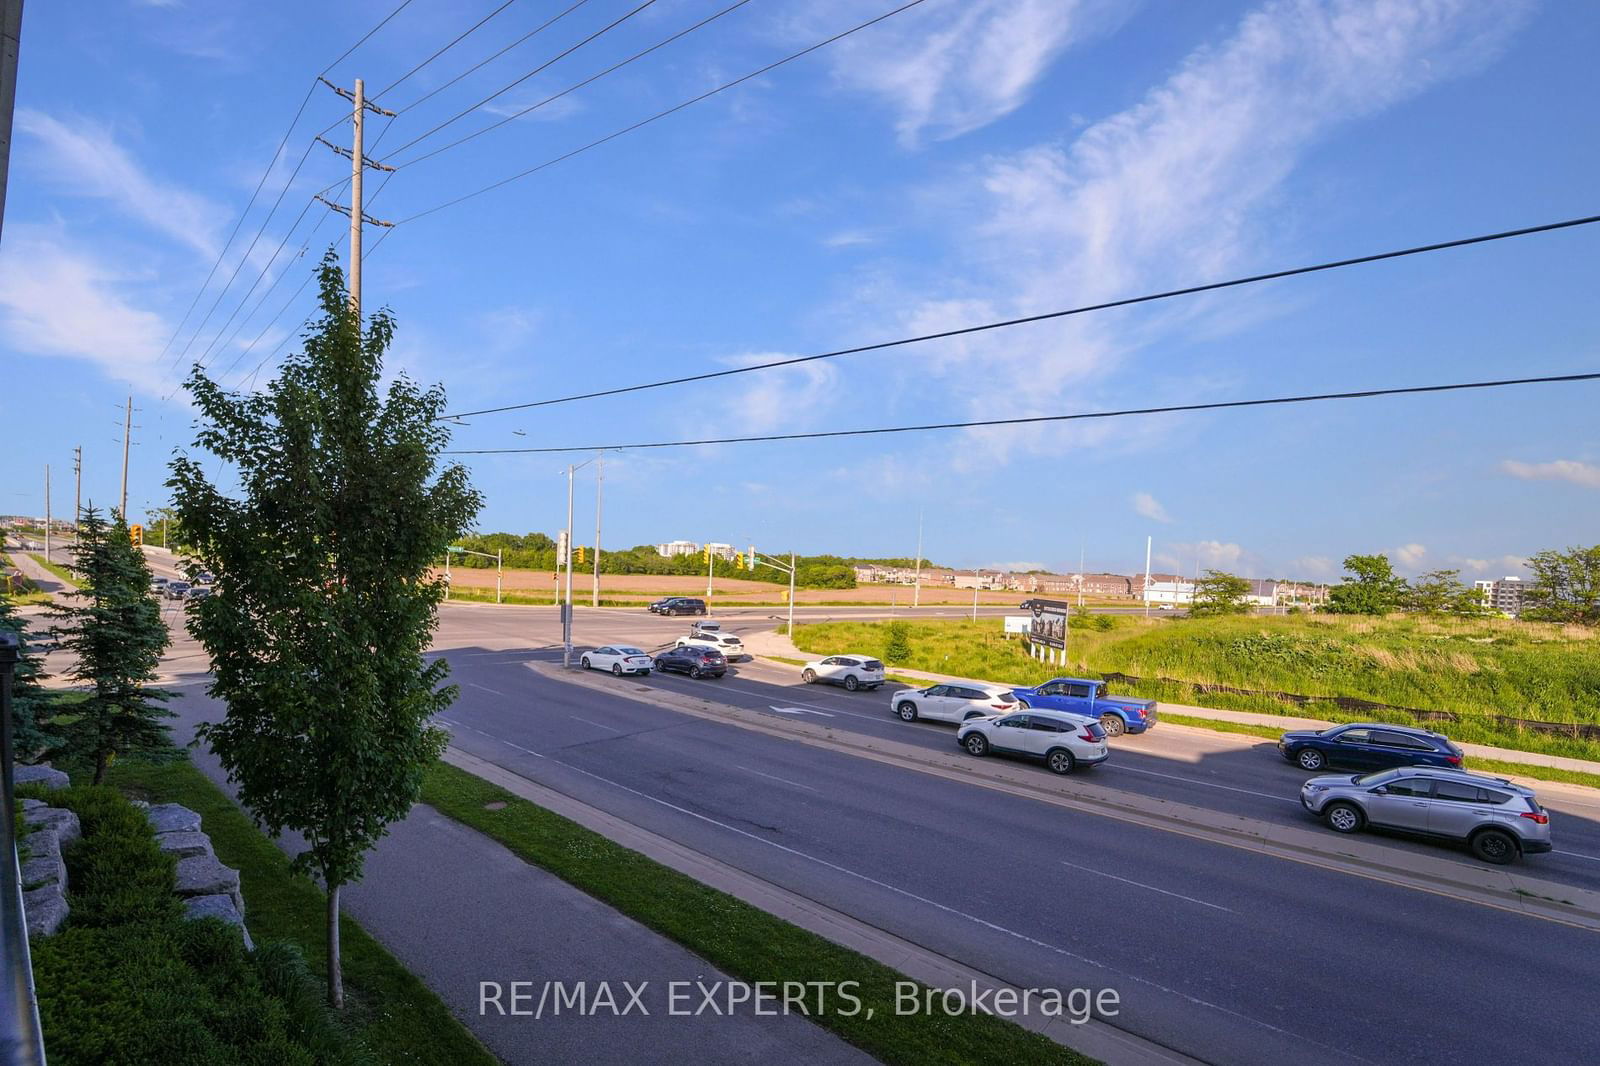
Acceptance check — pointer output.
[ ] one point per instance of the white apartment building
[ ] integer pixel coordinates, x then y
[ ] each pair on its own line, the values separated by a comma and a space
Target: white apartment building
1504, 595
1176, 591
677, 547
722, 551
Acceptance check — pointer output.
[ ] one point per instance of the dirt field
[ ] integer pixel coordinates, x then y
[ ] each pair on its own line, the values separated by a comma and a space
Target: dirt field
645, 587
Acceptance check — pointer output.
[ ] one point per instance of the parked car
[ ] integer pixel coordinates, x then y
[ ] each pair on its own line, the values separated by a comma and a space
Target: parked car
729, 645
675, 605
1117, 714
176, 590
851, 671
953, 703
1495, 818
1369, 746
205, 577
619, 659
198, 592
1065, 741
694, 660
157, 583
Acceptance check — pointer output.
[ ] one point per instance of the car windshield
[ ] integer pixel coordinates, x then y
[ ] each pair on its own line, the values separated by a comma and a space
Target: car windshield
1379, 778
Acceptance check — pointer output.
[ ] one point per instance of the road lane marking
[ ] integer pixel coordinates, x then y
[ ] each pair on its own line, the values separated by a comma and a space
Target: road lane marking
592, 722
1208, 784
485, 688
491, 736
775, 777
1141, 884
985, 923
801, 710
1578, 855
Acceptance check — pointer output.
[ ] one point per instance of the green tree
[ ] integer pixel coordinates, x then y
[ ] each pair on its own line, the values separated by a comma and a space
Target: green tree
1565, 586
114, 629
1220, 593
1437, 592
28, 698
1370, 586
324, 605
897, 648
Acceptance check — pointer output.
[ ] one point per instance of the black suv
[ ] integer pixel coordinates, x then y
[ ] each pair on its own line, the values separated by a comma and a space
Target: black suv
679, 605
693, 660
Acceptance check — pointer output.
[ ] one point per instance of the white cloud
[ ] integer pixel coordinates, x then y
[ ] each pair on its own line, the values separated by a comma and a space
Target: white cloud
1150, 507
848, 239
1209, 555
1409, 556
554, 111
60, 302
1504, 565
1313, 567
85, 159
1579, 473
1184, 185
777, 397
1015, 568
951, 66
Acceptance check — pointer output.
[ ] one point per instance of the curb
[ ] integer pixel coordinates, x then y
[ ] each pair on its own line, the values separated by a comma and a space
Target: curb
1486, 886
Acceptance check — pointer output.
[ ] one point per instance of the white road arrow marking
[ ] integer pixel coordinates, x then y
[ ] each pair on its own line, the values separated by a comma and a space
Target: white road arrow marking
802, 710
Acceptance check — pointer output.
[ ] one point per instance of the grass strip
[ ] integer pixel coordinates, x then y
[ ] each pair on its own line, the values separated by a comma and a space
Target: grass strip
1475, 764
739, 939
388, 1008
58, 570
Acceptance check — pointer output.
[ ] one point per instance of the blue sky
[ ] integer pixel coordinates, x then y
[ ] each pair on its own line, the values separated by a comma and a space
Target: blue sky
962, 161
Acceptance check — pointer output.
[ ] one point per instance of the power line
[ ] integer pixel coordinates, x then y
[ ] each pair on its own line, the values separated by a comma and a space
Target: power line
536, 70
346, 54
1048, 315
662, 114
575, 87
474, 28
1364, 394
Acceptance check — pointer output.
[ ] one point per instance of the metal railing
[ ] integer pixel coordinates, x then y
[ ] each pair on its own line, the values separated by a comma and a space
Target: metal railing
21, 1040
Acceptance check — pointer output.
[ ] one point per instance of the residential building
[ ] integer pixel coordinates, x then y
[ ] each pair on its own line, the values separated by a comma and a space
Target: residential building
1504, 595
725, 552
1166, 588
678, 547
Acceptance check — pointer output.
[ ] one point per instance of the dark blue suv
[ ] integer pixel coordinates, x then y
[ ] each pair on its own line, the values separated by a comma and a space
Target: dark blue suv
1369, 746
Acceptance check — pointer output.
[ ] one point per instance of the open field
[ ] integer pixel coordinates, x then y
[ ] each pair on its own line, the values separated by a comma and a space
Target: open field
642, 588
1471, 668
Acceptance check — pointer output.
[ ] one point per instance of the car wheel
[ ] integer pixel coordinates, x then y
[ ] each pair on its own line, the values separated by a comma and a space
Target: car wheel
694, 672
970, 715
976, 744
907, 711
1061, 761
809, 676
616, 669
585, 661
1344, 817
1311, 759
851, 684
1112, 725
1494, 846
661, 665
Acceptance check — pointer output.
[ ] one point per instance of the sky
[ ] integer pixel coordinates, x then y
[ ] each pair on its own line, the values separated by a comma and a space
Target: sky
960, 162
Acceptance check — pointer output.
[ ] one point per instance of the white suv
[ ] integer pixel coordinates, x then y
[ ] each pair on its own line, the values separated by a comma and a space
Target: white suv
1065, 741
710, 635
851, 671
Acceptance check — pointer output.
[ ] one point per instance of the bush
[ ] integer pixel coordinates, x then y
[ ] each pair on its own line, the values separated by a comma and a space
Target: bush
117, 873
898, 647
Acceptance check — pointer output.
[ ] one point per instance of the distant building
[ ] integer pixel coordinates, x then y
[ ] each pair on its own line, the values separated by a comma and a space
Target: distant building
1167, 588
721, 551
678, 547
1504, 595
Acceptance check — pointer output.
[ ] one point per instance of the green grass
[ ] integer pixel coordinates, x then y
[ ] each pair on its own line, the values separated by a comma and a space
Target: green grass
59, 571
1472, 668
733, 936
393, 1014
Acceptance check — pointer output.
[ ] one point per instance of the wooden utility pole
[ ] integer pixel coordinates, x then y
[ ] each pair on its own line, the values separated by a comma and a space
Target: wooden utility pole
599, 487
358, 164
47, 513
127, 429
77, 489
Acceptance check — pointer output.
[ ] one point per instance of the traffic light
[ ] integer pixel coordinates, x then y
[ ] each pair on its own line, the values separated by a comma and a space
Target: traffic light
580, 555
705, 554
738, 561
136, 534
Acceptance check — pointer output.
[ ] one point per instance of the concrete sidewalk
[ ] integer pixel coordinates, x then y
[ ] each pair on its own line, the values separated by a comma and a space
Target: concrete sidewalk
772, 644
42, 578
458, 909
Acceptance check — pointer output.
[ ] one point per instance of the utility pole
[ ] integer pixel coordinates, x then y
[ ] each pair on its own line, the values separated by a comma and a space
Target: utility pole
916, 590
711, 565
10, 45
1147, 576
77, 490
791, 595
358, 164
47, 513
566, 609
1080, 575
599, 488
127, 429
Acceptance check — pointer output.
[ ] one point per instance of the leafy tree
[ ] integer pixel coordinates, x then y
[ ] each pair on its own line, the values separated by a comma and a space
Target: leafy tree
114, 629
1370, 586
1438, 592
1565, 586
28, 699
897, 649
324, 605
1220, 593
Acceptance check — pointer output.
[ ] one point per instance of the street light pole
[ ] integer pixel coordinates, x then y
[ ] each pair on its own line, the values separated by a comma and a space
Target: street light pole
916, 588
599, 486
791, 596
499, 568
566, 610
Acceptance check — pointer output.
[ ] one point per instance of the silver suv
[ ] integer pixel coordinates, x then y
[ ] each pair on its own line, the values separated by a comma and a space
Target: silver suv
1495, 818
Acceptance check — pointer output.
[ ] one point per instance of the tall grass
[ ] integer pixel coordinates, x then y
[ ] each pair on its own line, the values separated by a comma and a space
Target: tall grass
1473, 668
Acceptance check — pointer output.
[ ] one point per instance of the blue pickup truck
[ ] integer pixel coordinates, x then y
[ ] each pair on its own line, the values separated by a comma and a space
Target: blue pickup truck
1118, 714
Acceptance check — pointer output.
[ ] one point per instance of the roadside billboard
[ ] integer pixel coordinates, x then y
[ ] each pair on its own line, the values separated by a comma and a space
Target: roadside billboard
1047, 622
1020, 624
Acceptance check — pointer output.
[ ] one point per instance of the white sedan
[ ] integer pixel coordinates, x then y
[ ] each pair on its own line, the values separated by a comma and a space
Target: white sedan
1065, 741
953, 703
729, 645
851, 671
619, 659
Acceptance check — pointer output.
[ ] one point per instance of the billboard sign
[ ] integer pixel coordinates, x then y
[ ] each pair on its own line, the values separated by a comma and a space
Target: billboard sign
1047, 622
1018, 623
